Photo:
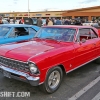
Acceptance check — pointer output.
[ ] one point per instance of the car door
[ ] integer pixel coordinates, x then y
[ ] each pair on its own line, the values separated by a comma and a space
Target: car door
20, 34
96, 39
84, 47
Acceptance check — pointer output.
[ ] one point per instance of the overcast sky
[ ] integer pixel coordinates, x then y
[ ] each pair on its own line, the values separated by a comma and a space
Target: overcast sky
40, 5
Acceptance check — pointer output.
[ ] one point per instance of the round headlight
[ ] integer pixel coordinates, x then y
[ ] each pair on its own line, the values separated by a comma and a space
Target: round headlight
33, 68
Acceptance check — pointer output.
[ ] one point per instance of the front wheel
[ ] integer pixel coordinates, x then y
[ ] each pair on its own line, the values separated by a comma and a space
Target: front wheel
53, 80
97, 60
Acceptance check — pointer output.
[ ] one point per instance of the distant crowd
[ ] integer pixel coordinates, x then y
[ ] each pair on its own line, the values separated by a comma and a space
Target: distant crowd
51, 21
64, 21
58, 21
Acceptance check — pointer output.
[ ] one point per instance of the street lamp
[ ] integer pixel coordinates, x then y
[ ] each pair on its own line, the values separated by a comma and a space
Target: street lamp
28, 9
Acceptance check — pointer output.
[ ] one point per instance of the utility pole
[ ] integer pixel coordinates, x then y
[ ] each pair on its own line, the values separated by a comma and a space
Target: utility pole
28, 9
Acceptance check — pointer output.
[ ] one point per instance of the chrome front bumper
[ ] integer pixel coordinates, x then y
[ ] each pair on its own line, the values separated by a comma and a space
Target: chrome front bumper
34, 81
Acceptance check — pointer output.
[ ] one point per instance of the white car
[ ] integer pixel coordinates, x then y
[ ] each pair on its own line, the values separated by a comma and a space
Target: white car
90, 23
5, 21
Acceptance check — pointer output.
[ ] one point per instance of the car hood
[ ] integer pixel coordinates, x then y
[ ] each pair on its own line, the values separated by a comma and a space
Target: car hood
23, 51
27, 50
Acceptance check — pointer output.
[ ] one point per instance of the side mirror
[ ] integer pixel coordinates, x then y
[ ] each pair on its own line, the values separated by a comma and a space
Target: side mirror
83, 40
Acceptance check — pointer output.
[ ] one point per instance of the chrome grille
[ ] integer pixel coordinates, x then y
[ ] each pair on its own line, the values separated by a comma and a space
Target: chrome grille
14, 64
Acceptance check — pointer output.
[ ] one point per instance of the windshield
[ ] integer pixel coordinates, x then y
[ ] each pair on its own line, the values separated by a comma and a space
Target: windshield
59, 34
4, 30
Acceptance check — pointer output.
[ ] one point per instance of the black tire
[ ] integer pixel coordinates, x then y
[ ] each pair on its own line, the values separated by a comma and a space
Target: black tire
97, 61
45, 86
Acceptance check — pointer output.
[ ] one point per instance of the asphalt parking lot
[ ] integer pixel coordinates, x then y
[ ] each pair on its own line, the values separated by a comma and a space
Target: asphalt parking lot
71, 84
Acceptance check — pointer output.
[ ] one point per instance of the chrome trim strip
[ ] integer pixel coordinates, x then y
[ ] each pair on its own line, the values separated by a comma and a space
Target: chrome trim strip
75, 37
82, 65
31, 58
41, 83
28, 77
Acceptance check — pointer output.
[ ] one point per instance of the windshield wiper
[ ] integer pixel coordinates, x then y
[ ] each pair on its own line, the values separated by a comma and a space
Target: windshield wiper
36, 37
49, 38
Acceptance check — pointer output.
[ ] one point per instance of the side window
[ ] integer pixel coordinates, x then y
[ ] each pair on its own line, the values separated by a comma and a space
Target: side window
84, 34
93, 34
21, 31
31, 31
12, 34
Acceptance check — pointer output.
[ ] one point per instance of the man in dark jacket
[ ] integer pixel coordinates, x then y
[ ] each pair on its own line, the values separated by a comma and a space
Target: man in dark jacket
66, 22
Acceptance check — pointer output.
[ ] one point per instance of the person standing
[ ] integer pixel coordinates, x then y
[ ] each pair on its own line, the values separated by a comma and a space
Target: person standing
21, 21
39, 22
1, 20
8, 19
47, 20
14, 20
50, 22
66, 22
58, 22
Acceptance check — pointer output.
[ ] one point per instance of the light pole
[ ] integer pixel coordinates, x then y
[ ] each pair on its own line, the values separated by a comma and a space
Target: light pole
28, 9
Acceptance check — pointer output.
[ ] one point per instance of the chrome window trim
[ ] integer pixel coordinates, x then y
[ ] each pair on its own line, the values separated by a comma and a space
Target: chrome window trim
75, 40
90, 28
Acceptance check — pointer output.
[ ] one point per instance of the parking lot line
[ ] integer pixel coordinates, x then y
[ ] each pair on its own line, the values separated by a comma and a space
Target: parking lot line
97, 97
85, 89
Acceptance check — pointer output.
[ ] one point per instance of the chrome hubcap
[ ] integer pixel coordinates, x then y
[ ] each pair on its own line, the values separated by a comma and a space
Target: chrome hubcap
54, 79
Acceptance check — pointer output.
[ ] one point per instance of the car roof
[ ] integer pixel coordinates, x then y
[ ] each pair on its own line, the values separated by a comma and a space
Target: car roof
68, 26
16, 25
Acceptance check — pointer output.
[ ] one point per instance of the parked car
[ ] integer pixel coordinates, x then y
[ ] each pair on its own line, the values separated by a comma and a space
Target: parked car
55, 50
30, 21
15, 32
90, 23
5, 21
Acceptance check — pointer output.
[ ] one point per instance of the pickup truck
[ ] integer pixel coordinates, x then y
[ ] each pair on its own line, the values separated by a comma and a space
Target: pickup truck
55, 50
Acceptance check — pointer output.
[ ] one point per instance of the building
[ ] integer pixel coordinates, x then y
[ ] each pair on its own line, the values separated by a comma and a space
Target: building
89, 13
43, 14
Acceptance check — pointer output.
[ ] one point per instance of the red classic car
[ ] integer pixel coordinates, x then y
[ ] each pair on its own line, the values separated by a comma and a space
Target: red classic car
54, 50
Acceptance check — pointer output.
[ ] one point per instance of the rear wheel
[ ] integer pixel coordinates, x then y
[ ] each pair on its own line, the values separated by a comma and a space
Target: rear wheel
53, 80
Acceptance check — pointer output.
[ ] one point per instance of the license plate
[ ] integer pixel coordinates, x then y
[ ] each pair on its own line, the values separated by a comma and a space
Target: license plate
6, 74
